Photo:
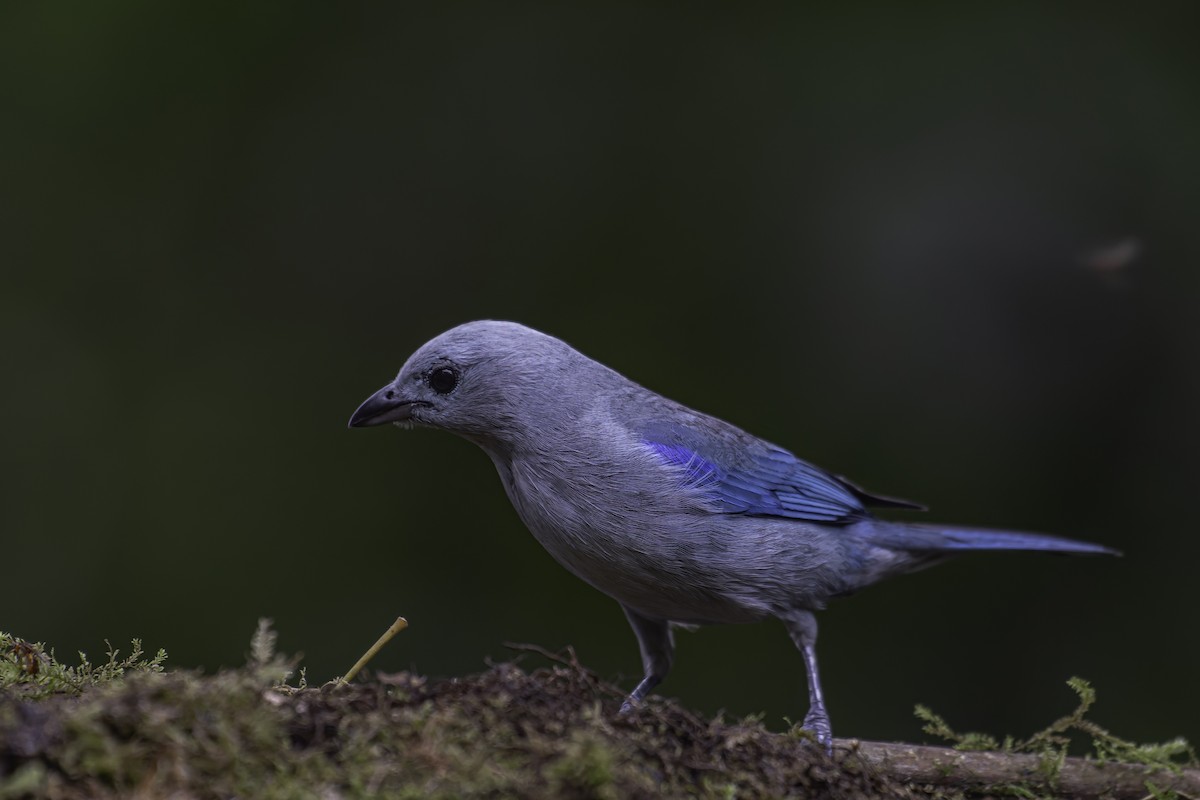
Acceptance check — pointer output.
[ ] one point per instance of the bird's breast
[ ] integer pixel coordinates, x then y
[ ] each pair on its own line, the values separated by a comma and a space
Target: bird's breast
650, 547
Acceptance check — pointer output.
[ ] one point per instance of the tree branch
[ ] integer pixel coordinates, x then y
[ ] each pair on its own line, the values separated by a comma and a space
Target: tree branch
967, 770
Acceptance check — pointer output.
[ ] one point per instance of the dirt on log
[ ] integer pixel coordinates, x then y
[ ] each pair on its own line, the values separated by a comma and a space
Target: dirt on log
553, 732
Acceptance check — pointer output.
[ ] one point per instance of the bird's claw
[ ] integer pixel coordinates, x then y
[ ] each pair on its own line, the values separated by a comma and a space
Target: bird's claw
817, 723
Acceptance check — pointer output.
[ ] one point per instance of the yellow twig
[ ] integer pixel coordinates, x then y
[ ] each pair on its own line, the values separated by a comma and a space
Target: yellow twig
400, 624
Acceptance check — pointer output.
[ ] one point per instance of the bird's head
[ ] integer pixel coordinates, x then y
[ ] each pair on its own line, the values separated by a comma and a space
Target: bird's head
483, 380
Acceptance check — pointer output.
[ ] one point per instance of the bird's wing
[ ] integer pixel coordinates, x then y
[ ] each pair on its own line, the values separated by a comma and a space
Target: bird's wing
745, 475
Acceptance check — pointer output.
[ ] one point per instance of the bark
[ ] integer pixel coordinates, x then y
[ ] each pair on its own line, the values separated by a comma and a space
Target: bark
975, 771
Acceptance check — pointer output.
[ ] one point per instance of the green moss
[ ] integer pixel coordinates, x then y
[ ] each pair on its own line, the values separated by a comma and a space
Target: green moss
1052, 743
585, 768
127, 727
130, 728
27, 668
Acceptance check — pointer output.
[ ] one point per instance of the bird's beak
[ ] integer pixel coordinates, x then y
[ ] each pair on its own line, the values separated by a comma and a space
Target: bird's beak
383, 407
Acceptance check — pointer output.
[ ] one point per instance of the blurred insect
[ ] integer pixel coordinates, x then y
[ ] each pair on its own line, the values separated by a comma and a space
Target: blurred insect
1113, 257
26, 656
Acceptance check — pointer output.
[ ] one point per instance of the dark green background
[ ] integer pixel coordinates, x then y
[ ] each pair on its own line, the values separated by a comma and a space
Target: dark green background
855, 232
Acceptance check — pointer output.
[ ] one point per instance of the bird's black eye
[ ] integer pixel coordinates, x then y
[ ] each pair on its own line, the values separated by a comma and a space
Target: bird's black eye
443, 380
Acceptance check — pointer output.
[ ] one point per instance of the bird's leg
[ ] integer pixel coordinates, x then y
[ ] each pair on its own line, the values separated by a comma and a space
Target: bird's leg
657, 644
802, 626
817, 718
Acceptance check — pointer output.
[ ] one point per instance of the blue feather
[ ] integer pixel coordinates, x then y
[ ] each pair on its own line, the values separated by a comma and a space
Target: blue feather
699, 471
762, 481
983, 539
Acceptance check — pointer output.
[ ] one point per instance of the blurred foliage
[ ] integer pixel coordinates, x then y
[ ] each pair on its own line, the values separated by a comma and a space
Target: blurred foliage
949, 253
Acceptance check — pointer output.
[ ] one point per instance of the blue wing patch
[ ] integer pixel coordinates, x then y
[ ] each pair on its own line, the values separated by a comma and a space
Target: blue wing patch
766, 481
700, 472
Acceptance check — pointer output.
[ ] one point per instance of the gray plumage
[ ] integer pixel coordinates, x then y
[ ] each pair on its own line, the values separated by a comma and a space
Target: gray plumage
680, 517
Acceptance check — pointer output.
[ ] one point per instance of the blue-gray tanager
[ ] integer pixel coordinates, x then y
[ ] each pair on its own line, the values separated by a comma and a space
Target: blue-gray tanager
680, 517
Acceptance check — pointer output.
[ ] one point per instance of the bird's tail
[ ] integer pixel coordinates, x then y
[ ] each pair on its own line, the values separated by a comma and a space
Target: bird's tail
942, 539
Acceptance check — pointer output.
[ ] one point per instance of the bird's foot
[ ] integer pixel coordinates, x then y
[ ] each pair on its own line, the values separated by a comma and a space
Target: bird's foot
639, 693
816, 722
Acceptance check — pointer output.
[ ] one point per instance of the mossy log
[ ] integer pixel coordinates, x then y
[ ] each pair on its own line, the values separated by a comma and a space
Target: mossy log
976, 772
550, 733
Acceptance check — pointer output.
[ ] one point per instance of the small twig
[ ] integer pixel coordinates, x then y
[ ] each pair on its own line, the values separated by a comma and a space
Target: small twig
570, 660
400, 624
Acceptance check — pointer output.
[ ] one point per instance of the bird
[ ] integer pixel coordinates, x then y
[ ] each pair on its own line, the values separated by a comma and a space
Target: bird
684, 519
